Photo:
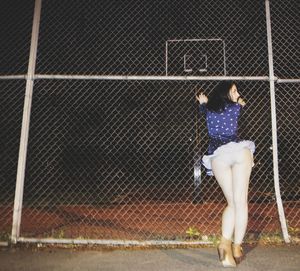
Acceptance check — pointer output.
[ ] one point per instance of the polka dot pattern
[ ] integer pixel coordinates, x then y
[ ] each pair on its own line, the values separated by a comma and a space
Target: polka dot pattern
222, 126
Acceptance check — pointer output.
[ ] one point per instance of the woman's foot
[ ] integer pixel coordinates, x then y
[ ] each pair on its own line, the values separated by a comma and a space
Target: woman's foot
238, 254
225, 253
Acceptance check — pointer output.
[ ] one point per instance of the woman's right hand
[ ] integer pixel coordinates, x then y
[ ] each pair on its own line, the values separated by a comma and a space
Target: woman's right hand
201, 98
241, 101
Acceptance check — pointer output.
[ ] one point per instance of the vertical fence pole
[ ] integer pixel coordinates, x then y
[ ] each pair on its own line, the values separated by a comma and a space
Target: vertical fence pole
274, 127
166, 58
17, 212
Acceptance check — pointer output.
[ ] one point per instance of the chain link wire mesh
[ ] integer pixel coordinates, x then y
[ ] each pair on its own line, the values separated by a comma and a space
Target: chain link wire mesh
129, 37
288, 104
285, 28
115, 159
286, 42
15, 31
11, 107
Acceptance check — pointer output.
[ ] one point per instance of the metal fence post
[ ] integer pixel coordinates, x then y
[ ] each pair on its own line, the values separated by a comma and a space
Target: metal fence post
274, 127
17, 212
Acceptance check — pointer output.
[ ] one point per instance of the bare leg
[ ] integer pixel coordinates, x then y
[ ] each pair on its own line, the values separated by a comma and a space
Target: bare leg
232, 172
223, 174
241, 171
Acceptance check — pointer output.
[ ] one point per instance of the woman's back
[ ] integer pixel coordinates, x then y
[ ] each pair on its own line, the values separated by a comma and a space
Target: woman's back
224, 123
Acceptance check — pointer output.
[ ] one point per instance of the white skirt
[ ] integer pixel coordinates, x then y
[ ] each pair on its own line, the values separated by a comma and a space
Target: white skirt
230, 147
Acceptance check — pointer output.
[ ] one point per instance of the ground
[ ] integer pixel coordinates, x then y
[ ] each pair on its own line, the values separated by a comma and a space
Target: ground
275, 258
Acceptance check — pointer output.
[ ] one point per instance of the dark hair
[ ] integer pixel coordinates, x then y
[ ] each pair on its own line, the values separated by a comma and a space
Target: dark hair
219, 97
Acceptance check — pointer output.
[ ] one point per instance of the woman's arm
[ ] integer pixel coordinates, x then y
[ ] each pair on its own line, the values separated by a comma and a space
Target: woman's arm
202, 99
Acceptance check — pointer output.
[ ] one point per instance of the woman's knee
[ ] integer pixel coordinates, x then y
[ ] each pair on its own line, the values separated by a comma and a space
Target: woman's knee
240, 202
231, 205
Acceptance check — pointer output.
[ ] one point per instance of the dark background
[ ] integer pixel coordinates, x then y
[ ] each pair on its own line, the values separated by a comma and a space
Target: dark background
107, 141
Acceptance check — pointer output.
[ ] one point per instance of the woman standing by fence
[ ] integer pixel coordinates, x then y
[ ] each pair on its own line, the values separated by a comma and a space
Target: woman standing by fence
230, 160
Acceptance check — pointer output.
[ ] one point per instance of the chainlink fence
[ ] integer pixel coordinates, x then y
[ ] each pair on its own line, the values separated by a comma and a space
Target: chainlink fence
288, 104
115, 136
131, 38
285, 34
16, 21
285, 25
11, 104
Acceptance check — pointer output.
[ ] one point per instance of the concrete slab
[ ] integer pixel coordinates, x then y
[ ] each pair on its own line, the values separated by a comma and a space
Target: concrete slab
281, 258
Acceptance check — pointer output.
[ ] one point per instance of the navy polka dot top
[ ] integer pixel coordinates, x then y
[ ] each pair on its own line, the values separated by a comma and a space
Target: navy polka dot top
222, 126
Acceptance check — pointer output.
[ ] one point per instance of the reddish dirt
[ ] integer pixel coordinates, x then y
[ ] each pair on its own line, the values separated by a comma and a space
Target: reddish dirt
141, 221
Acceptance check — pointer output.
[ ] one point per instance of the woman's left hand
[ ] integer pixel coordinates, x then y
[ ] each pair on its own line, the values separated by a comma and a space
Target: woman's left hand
202, 99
